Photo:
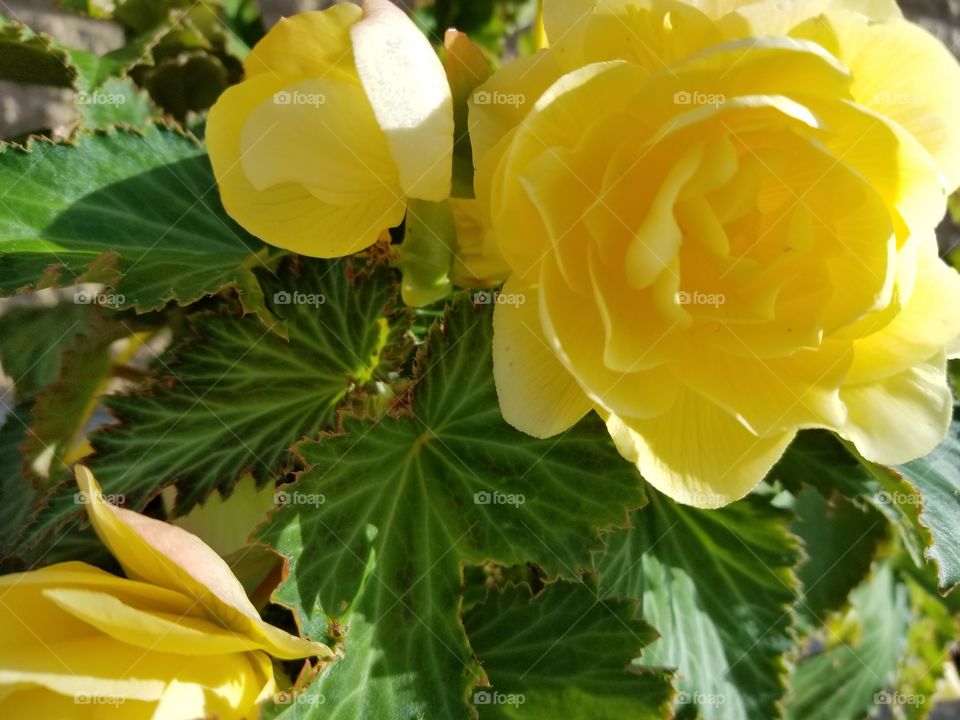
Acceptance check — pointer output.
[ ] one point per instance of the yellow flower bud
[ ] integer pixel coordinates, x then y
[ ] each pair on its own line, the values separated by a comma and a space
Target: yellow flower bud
176, 638
342, 116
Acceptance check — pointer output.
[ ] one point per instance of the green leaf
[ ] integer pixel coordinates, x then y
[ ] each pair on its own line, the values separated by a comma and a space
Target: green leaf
26, 57
564, 653
937, 479
842, 682
137, 211
820, 460
17, 495
718, 585
234, 396
62, 410
116, 102
377, 530
841, 540
931, 639
33, 339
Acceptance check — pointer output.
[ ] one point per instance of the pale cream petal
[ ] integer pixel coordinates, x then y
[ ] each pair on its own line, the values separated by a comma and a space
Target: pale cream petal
408, 89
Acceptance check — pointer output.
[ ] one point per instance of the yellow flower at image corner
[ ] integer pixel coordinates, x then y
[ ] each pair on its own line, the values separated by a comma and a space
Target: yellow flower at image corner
342, 116
176, 639
721, 214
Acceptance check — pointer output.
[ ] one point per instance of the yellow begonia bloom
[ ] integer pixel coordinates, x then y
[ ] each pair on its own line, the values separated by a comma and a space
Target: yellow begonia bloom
343, 115
176, 639
722, 213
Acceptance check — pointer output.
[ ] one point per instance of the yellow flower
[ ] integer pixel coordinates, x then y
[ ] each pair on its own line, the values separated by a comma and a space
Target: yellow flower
342, 116
177, 638
721, 214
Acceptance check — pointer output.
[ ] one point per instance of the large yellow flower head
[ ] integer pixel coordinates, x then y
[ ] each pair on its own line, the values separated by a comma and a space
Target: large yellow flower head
344, 114
177, 638
721, 215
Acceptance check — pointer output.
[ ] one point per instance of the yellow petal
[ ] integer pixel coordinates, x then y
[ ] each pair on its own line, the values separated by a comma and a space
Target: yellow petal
537, 393
900, 71
697, 453
574, 328
307, 45
288, 214
773, 394
170, 557
901, 418
927, 322
754, 18
153, 631
408, 89
501, 103
346, 158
